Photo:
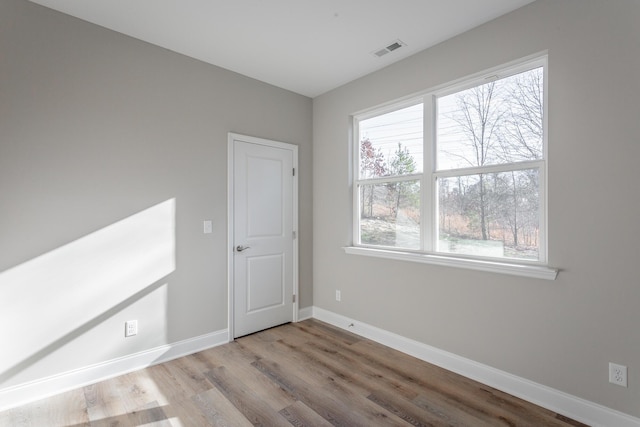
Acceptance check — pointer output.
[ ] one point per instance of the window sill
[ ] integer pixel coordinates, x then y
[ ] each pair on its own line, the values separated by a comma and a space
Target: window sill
523, 270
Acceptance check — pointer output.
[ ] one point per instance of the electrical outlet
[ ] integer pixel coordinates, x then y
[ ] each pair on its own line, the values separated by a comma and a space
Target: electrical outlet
130, 328
618, 374
338, 296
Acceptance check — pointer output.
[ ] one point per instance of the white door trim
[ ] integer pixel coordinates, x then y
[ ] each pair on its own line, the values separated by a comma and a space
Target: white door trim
231, 215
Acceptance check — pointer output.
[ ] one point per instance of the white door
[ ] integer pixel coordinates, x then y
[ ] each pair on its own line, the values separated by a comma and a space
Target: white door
263, 221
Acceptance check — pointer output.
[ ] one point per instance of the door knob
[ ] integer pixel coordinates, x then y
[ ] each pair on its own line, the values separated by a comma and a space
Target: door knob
241, 248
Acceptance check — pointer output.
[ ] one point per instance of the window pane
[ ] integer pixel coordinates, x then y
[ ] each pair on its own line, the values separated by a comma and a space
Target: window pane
390, 214
494, 123
494, 214
391, 144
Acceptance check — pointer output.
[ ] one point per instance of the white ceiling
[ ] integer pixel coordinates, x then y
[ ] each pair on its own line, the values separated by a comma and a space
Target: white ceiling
306, 46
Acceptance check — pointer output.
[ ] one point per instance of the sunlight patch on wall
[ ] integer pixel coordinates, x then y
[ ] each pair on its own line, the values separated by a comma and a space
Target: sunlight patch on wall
44, 300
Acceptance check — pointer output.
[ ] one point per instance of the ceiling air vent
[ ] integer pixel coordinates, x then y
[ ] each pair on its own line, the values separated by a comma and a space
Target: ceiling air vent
388, 49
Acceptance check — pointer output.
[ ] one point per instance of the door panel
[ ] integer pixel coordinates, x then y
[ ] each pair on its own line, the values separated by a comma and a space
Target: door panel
265, 282
263, 203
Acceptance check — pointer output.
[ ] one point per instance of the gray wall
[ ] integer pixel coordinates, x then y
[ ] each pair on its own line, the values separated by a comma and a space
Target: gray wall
558, 333
102, 135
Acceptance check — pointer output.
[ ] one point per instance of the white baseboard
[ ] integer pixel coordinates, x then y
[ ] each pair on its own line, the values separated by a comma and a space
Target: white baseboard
557, 401
39, 389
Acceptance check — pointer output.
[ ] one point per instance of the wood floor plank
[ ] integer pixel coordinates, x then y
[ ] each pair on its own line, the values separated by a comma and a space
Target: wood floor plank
248, 403
151, 414
311, 370
302, 374
62, 410
356, 375
16, 417
218, 410
462, 412
441, 384
187, 372
7, 417
206, 360
396, 366
122, 420
411, 413
174, 384
519, 409
300, 415
238, 359
138, 389
437, 398
362, 375
348, 411
185, 413
296, 362
345, 366
105, 406
447, 390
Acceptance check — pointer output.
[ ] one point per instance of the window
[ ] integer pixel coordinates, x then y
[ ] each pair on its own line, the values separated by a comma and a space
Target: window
458, 172
390, 176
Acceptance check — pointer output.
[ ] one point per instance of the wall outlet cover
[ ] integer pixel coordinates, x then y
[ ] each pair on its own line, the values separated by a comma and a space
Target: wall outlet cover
130, 328
618, 374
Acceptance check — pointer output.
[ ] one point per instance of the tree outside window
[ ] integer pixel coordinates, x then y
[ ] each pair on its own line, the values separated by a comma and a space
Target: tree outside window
484, 175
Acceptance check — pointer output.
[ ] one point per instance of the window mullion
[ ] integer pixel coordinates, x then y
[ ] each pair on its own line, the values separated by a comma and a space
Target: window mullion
355, 167
428, 203
543, 214
388, 179
504, 167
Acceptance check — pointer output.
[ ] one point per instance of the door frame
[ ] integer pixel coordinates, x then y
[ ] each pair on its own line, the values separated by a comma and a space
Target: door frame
232, 137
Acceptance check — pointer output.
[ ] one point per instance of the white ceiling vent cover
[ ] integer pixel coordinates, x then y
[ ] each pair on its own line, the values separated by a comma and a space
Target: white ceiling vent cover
388, 49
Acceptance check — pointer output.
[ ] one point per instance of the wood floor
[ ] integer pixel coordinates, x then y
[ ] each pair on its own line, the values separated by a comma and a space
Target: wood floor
303, 374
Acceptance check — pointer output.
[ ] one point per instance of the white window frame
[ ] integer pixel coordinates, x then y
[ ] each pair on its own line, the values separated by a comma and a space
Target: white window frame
429, 205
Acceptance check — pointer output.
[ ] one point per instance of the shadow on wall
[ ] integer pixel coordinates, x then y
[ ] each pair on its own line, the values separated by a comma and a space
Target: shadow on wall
51, 300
